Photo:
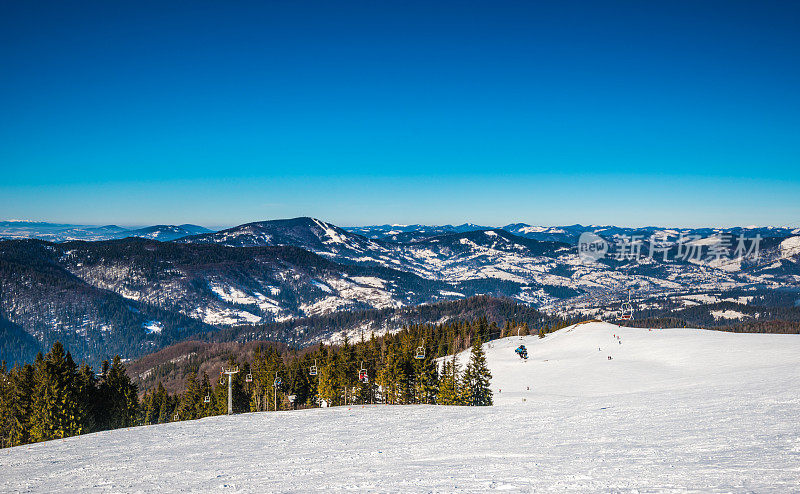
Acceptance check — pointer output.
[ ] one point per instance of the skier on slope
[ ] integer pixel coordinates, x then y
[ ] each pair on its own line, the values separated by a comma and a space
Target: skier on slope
522, 352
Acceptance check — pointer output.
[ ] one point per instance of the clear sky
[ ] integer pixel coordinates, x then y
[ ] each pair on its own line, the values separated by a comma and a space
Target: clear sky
219, 113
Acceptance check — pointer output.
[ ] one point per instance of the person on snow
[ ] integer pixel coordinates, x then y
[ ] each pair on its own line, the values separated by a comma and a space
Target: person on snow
522, 352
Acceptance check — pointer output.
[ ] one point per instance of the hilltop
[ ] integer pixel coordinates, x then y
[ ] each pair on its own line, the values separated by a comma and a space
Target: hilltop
674, 410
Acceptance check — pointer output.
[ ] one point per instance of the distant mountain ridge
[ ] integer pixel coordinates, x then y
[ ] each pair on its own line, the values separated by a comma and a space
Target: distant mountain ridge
61, 232
565, 233
58, 232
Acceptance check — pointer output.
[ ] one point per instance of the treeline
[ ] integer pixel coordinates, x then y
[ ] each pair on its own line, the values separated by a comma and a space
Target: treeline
54, 398
495, 309
771, 326
398, 368
774, 327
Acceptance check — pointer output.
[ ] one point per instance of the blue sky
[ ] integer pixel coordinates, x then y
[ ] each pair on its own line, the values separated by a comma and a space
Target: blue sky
631, 113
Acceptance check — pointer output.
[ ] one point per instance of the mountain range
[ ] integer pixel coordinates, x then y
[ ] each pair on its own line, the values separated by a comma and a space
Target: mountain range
58, 232
133, 295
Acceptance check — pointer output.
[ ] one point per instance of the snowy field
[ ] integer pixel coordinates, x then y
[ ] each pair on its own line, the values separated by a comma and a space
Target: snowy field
673, 411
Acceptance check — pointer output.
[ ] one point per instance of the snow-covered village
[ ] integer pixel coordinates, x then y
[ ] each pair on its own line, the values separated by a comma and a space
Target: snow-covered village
407, 247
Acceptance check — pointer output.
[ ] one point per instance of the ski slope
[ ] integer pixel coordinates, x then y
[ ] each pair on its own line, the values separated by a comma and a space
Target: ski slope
678, 410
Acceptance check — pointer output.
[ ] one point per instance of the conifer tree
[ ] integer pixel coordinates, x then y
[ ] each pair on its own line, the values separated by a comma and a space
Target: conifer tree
88, 397
241, 396
6, 399
164, 405
345, 372
56, 411
447, 393
259, 392
118, 396
189, 405
206, 409
475, 390
328, 389
426, 380
22, 386
394, 378
148, 410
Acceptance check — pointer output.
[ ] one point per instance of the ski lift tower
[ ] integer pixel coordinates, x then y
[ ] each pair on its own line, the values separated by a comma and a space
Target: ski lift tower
230, 371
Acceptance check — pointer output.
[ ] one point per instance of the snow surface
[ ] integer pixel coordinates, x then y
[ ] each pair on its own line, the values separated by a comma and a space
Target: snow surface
674, 411
224, 316
790, 247
727, 314
151, 327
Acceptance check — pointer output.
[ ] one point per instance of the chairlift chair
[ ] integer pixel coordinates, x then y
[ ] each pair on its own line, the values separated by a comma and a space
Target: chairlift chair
312, 371
626, 310
177, 417
222, 380
420, 353
362, 374
248, 378
278, 381
207, 399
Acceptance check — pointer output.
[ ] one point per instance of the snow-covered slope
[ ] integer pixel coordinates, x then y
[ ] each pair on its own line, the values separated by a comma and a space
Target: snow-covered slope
573, 362
674, 411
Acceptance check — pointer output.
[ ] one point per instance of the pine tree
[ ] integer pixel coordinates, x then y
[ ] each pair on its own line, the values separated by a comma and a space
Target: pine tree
21, 408
163, 404
88, 397
190, 400
148, 409
118, 396
6, 401
259, 393
426, 380
328, 387
448, 384
56, 411
346, 373
394, 378
241, 399
207, 409
475, 390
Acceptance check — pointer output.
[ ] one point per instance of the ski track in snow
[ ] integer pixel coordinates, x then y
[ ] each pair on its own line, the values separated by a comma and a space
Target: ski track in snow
678, 410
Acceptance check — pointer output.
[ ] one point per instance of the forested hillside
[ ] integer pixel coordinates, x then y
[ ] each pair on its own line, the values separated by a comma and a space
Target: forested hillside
55, 398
